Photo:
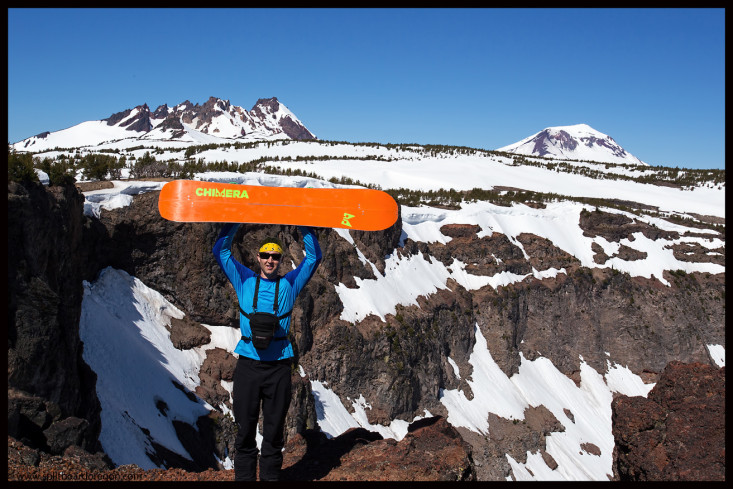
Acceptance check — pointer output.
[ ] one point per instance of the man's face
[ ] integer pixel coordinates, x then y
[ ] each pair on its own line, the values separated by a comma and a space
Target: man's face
269, 262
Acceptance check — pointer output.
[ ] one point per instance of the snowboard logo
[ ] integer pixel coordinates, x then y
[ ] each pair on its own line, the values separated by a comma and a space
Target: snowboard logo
346, 218
222, 193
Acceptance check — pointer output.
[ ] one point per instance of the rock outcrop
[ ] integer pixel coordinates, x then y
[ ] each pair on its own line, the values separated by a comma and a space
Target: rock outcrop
52, 401
432, 450
677, 433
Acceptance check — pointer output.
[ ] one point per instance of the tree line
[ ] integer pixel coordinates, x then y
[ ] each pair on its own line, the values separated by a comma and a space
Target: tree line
106, 163
97, 167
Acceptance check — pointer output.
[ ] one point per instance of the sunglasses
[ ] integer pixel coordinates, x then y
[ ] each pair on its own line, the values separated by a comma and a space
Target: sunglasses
274, 256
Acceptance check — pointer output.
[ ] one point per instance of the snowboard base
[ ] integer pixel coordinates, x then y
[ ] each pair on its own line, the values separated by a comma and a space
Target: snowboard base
348, 208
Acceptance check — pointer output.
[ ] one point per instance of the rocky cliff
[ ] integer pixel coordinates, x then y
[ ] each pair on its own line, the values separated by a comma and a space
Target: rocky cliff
52, 401
400, 363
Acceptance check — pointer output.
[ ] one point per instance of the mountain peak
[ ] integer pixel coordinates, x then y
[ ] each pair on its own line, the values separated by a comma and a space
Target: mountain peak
267, 101
573, 142
214, 120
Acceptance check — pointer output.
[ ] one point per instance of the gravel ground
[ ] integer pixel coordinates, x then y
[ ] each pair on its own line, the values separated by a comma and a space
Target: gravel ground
26, 464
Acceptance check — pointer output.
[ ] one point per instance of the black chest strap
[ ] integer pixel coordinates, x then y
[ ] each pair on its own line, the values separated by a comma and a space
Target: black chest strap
274, 307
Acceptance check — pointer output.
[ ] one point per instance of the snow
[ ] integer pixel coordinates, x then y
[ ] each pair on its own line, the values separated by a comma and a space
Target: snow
539, 383
465, 172
42, 176
123, 323
88, 133
381, 296
717, 353
622, 380
128, 346
395, 167
334, 418
119, 196
492, 391
590, 405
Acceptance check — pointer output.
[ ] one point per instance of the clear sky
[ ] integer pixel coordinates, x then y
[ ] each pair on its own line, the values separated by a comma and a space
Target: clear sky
652, 79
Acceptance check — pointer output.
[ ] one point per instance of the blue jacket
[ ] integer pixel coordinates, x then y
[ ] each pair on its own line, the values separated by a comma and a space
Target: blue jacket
243, 279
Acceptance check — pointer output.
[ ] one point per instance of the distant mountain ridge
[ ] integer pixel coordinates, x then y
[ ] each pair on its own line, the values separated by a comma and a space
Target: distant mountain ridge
576, 142
214, 121
218, 121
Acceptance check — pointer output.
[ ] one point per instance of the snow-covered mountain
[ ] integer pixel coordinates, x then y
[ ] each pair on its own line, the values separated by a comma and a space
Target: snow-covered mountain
215, 121
577, 142
618, 247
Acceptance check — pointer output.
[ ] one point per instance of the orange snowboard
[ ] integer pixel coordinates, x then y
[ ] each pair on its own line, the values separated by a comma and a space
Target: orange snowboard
348, 208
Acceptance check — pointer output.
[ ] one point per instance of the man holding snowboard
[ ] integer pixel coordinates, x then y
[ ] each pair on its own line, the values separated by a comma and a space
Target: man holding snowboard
265, 354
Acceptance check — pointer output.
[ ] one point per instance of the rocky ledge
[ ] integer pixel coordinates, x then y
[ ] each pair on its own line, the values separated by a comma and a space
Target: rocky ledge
431, 450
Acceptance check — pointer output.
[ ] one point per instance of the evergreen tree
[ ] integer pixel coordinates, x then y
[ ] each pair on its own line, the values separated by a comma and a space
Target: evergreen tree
20, 167
60, 175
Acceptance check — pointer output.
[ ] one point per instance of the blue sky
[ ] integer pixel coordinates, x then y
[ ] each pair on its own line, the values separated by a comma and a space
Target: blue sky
653, 79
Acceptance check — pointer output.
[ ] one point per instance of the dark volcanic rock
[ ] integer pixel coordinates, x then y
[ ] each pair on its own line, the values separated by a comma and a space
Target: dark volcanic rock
543, 254
302, 411
642, 323
66, 433
186, 333
615, 227
140, 123
483, 256
218, 365
47, 262
398, 365
677, 433
294, 130
511, 437
432, 450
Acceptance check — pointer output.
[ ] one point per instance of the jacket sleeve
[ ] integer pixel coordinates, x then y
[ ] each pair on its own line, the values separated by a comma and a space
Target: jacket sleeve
313, 256
235, 271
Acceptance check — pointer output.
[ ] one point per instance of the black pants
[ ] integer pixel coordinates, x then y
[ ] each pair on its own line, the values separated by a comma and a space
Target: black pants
254, 382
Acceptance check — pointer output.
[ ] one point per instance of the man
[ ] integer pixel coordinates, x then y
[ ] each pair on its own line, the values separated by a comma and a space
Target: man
265, 354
